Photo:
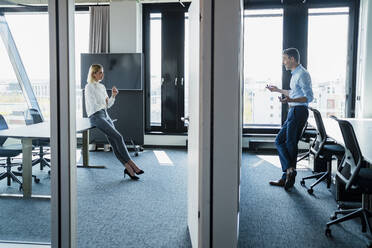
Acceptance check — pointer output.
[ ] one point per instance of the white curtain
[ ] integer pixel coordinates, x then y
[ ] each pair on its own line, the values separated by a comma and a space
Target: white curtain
99, 28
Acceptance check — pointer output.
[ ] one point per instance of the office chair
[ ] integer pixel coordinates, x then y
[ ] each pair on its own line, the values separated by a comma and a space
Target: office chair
306, 136
9, 151
32, 116
357, 177
323, 149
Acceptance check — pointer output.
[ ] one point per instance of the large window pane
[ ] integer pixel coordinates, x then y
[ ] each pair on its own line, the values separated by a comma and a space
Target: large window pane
327, 55
262, 65
81, 46
12, 101
155, 69
33, 47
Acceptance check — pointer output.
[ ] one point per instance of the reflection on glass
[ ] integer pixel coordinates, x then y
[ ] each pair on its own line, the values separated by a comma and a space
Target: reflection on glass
155, 69
328, 79
262, 65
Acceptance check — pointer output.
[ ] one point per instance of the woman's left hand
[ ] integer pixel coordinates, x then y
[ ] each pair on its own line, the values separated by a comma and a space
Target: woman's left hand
114, 91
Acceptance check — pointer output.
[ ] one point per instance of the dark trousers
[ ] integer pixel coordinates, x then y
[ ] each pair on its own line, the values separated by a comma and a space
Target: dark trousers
287, 139
104, 123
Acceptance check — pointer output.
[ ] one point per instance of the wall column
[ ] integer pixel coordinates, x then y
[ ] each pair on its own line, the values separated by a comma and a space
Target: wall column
125, 27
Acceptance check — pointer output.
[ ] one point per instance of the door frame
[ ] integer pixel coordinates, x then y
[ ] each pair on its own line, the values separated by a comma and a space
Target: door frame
216, 166
62, 121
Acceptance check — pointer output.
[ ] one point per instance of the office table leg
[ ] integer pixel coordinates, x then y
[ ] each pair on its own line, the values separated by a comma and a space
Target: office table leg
85, 151
27, 167
27, 170
26, 173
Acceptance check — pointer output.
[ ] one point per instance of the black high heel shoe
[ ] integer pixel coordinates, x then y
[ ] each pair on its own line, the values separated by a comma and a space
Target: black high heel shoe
139, 172
134, 177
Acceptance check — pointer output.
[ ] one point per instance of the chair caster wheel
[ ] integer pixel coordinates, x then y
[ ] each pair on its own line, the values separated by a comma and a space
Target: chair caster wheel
21, 188
302, 182
333, 217
310, 191
136, 154
19, 168
328, 232
36, 180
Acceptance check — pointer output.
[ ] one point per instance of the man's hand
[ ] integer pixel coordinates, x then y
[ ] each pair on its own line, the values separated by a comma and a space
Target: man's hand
114, 91
285, 99
272, 88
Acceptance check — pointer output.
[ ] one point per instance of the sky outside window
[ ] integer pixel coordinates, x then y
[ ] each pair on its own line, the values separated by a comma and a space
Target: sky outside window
263, 39
327, 58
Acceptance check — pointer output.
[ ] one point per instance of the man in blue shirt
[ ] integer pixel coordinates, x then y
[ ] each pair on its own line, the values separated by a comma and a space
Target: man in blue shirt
298, 98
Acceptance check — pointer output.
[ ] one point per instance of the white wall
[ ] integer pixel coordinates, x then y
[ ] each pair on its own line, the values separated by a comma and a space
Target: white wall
227, 120
364, 73
125, 27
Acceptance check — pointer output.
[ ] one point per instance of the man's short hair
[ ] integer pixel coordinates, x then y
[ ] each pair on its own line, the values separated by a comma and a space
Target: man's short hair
292, 52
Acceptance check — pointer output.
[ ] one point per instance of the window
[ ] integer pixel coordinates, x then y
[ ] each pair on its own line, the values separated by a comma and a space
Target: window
330, 57
81, 46
165, 32
35, 56
155, 68
327, 56
263, 32
12, 101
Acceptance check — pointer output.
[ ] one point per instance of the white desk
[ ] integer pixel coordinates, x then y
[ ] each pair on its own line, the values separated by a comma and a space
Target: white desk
362, 129
42, 131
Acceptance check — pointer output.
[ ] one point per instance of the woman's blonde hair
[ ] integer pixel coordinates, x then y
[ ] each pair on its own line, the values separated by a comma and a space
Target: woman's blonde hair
93, 69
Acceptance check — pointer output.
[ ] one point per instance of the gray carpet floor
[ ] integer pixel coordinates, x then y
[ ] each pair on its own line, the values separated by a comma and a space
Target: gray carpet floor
112, 211
116, 212
272, 217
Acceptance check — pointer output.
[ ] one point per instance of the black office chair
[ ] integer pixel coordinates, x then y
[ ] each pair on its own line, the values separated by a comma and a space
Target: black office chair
10, 151
357, 177
323, 149
307, 135
32, 116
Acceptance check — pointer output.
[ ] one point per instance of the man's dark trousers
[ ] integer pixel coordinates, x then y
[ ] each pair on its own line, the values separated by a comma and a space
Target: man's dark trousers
287, 139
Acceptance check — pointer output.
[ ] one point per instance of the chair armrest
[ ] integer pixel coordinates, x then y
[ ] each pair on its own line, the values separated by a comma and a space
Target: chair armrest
343, 179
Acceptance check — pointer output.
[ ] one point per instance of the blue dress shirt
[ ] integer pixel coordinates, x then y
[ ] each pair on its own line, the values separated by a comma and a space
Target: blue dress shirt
300, 86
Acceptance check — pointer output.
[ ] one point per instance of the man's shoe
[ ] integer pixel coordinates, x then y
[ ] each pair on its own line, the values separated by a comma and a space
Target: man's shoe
279, 183
291, 177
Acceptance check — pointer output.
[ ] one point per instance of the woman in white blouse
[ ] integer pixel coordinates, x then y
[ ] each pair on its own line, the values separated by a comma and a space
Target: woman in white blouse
96, 104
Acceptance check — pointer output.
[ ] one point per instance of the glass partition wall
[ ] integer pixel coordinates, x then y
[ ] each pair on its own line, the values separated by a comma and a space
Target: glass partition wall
25, 84
25, 87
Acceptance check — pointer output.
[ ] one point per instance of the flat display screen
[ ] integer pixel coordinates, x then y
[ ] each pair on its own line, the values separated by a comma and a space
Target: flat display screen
123, 70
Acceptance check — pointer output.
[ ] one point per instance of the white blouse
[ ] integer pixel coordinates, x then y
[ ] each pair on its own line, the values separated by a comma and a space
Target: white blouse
95, 98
